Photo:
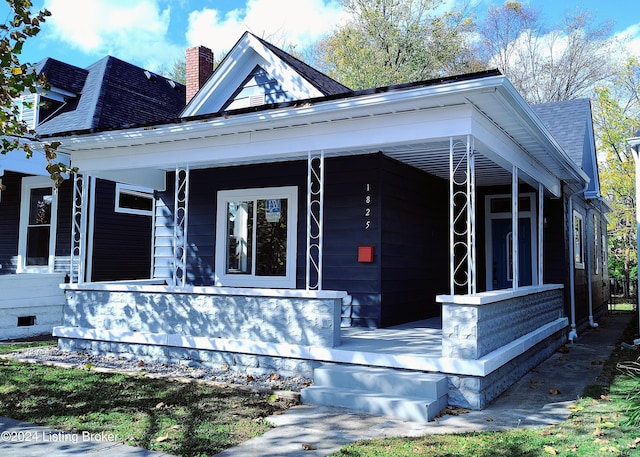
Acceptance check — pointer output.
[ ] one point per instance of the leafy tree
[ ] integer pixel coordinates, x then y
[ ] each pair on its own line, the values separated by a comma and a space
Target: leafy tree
616, 120
394, 41
17, 78
547, 64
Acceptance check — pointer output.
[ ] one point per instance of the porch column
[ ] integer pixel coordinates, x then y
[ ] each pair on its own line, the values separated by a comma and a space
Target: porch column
540, 234
180, 225
80, 211
315, 206
462, 216
515, 222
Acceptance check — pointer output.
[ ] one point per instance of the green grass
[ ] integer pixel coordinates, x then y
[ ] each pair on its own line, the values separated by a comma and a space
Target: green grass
181, 418
604, 423
10, 346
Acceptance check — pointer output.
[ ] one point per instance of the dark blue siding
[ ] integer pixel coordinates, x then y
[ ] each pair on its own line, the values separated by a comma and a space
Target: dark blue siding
415, 249
9, 221
121, 242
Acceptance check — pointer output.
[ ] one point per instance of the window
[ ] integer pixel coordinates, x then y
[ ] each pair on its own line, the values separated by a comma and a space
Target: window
596, 251
578, 239
37, 240
256, 237
134, 200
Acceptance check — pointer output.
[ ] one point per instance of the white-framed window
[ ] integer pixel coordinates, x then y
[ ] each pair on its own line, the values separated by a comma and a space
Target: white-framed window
578, 239
38, 220
134, 200
256, 237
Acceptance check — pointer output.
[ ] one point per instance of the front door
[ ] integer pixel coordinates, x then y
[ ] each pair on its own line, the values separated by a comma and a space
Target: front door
499, 242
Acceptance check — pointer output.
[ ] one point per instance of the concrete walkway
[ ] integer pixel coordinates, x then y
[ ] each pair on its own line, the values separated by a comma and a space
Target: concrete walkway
540, 398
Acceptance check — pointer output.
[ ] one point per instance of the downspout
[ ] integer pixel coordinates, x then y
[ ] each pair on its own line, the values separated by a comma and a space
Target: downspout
573, 334
592, 323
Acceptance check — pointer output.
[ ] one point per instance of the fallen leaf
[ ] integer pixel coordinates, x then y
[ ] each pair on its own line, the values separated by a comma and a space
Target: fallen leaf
489, 419
598, 432
140, 363
605, 398
274, 376
554, 391
159, 405
549, 450
308, 447
250, 378
601, 441
160, 439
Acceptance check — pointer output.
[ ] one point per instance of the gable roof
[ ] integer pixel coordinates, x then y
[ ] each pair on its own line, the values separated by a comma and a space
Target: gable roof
108, 94
292, 79
571, 124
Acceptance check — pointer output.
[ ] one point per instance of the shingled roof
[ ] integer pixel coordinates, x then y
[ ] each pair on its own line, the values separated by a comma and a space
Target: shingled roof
568, 121
322, 82
110, 94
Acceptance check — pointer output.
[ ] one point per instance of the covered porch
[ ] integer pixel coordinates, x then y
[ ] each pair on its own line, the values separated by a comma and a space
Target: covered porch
475, 134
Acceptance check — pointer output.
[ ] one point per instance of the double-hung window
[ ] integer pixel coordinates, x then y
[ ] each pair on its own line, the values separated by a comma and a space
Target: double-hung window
38, 216
256, 237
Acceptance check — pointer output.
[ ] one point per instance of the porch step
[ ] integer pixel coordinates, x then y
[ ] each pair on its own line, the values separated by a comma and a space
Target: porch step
406, 395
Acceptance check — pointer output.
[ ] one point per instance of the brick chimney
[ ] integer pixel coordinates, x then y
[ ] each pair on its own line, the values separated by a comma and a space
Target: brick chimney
199, 66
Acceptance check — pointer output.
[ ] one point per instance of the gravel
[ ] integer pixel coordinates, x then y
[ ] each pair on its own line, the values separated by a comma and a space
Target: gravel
188, 370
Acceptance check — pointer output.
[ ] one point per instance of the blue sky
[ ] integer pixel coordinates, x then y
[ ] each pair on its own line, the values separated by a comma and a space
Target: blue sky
154, 33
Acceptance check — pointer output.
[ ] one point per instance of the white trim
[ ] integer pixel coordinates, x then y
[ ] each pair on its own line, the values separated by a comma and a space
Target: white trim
137, 191
289, 279
29, 183
91, 220
489, 217
492, 296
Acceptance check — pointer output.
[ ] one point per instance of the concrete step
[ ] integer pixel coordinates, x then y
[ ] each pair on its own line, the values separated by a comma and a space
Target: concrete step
381, 380
407, 395
405, 408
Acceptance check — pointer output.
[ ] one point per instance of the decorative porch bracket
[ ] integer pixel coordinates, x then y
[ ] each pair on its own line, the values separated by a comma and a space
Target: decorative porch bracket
78, 228
180, 224
315, 205
462, 216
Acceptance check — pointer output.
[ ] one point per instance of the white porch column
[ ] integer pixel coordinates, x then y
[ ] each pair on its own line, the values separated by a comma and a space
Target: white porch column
315, 208
80, 212
540, 234
515, 222
180, 226
462, 215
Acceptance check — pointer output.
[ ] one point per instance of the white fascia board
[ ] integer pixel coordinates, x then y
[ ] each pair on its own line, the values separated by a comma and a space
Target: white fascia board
537, 128
366, 134
143, 177
502, 150
325, 111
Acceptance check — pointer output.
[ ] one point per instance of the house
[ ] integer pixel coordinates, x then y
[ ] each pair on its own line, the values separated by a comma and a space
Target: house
36, 218
433, 240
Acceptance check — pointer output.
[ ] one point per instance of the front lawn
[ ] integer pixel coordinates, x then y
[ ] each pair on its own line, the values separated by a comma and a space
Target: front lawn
181, 418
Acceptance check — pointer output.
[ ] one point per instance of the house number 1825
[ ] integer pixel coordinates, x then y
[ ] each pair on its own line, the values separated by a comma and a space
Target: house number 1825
367, 209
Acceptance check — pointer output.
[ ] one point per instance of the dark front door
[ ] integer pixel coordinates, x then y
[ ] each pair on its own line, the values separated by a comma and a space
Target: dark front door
502, 258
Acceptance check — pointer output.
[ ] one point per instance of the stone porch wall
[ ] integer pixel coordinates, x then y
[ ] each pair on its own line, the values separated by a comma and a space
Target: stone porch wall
513, 329
272, 316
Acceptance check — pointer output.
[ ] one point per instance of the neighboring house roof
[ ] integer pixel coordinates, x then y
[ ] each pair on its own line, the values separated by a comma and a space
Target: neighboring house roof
266, 72
571, 124
62, 75
114, 94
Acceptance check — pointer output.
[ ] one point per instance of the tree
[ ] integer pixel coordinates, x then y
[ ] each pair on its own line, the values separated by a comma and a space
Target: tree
17, 78
616, 119
547, 64
394, 41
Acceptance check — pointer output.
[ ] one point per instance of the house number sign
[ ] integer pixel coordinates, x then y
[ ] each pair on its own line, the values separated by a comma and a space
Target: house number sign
367, 208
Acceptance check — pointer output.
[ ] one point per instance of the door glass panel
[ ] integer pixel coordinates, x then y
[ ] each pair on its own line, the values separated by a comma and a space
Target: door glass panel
239, 237
271, 238
39, 227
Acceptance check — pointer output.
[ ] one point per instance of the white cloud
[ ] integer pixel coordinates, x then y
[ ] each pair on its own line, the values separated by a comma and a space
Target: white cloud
135, 31
631, 39
280, 21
